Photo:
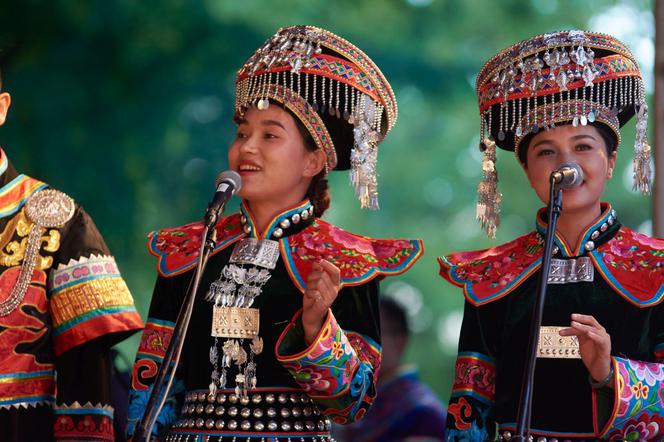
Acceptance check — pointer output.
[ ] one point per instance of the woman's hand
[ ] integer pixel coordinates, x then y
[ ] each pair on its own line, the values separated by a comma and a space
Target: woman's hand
321, 291
594, 345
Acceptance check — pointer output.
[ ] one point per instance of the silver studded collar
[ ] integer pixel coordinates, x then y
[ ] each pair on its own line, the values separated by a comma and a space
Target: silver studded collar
284, 224
597, 233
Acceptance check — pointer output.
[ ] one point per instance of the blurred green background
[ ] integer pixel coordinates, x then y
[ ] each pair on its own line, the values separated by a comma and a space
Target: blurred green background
126, 105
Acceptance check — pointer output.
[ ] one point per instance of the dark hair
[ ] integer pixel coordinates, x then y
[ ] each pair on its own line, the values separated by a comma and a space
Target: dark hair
607, 134
396, 314
319, 190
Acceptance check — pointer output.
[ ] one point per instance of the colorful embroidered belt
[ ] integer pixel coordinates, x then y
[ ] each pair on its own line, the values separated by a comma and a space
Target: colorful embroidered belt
284, 412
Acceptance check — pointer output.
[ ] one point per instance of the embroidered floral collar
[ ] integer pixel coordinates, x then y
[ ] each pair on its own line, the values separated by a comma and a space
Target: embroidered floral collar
630, 262
291, 220
599, 232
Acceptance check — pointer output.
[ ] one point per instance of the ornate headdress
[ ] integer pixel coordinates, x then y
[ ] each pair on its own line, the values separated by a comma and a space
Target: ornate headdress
572, 76
334, 89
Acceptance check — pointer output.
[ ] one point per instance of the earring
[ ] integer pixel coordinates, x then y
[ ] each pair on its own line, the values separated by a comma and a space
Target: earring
488, 197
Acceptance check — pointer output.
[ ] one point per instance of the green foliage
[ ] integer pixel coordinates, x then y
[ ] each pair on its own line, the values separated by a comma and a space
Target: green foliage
127, 106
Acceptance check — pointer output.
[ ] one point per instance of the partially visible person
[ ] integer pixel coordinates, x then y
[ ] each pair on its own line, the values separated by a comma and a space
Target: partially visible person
284, 336
63, 304
557, 99
405, 409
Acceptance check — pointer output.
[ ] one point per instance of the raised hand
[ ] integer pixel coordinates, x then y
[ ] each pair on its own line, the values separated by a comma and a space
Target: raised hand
321, 291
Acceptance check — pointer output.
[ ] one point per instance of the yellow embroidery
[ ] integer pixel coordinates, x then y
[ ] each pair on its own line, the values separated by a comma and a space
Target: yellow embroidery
88, 296
12, 252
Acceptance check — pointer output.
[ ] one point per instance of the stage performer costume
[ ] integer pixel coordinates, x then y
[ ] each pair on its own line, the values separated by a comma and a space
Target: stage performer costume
556, 97
247, 371
63, 304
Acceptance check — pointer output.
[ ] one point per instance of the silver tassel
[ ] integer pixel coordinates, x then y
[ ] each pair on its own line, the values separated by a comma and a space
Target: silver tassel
642, 152
488, 197
364, 155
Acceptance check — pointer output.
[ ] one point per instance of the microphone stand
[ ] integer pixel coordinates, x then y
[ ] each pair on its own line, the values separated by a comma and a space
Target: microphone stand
525, 401
169, 364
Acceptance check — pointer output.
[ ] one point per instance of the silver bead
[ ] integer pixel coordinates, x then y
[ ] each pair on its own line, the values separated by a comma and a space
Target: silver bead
590, 246
232, 425
209, 423
507, 435
285, 223
610, 220
603, 227
271, 412
192, 409
298, 426
259, 426
296, 412
305, 215
243, 219
202, 396
219, 410
246, 425
244, 400
219, 424
232, 411
200, 423
209, 408
307, 411
245, 412
269, 398
286, 426
199, 408
221, 398
210, 398
272, 425
555, 250
285, 413
258, 413
541, 439
296, 218
247, 229
256, 399
294, 398
278, 233
310, 426
232, 398
594, 235
283, 398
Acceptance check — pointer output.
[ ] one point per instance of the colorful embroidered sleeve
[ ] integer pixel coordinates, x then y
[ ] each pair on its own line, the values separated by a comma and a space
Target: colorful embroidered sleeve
88, 297
151, 350
638, 395
469, 413
338, 370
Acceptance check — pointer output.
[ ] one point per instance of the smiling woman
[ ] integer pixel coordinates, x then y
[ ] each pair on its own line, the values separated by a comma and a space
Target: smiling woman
554, 99
284, 334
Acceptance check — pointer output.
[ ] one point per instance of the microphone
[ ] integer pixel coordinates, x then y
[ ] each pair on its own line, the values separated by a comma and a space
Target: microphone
567, 176
228, 183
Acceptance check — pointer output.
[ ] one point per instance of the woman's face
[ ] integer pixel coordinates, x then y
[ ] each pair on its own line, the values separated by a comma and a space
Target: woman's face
270, 155
582, 145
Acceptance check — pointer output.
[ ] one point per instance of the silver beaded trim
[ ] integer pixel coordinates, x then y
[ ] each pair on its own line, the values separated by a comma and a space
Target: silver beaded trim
46, 209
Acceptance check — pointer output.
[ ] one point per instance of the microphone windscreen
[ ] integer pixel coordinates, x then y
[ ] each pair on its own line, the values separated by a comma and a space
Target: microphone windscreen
231, 177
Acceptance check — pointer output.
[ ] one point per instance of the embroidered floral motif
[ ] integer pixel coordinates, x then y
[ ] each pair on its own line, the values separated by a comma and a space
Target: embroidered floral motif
151, 351
331, 370
358, 257
630, 262
489, 274
640, 411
